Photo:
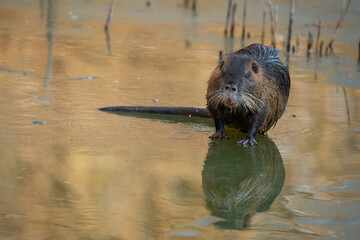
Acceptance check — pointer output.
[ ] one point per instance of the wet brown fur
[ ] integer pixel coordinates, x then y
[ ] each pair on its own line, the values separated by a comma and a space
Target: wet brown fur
260, 84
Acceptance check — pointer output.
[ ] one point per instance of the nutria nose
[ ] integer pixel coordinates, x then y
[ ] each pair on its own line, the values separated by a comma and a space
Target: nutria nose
230, 88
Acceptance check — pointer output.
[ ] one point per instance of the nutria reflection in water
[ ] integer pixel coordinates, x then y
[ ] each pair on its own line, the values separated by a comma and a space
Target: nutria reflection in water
238, 182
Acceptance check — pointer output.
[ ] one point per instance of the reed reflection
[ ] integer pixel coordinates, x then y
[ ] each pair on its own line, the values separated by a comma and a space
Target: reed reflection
50, 26
238, 181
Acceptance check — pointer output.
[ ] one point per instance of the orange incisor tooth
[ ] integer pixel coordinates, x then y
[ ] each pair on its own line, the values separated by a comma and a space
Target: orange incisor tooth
229, 101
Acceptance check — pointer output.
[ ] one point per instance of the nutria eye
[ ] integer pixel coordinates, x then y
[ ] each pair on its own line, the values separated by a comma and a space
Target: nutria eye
254, 67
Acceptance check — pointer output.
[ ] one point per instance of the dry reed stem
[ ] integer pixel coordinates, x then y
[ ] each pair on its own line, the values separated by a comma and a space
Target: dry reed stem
232, 28
310, 42
272, 24
194, 5
263, 26
339, 22
111, 8
318, 36
227, 18
321, 48
244, 22
292, 10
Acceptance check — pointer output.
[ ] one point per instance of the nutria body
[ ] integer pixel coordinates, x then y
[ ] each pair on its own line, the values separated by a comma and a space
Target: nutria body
248, 90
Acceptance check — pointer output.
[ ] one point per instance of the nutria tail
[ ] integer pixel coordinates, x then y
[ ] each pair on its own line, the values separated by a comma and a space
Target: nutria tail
186, 111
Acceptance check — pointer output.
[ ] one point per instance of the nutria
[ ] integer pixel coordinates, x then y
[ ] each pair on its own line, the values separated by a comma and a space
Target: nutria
248, 90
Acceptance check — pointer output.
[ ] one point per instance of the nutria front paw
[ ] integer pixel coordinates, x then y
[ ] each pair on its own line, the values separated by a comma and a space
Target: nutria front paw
247, 140
221, 135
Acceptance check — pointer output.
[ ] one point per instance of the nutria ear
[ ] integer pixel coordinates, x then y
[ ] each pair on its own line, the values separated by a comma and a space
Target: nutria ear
221, 64
254, 67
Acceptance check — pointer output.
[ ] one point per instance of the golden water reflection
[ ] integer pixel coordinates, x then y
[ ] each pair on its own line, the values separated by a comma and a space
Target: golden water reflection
86, 174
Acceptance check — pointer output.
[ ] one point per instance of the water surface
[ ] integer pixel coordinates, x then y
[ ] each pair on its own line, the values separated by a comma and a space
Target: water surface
69, 171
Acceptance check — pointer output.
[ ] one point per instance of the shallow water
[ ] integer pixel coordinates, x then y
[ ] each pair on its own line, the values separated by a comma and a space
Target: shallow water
69, 171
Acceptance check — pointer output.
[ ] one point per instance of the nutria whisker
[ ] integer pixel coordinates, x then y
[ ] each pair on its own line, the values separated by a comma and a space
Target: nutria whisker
254, 98
245, 194
215, 100
241, 196
250, 101
211, 196
210, 193
214, 96
215, 91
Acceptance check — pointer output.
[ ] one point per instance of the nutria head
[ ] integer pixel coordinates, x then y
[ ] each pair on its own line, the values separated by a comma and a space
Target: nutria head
239, 80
